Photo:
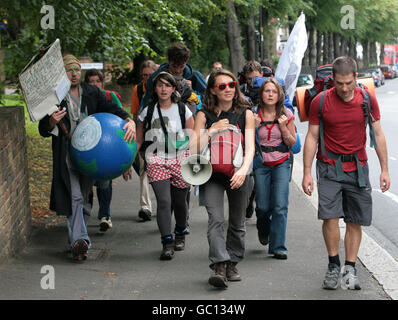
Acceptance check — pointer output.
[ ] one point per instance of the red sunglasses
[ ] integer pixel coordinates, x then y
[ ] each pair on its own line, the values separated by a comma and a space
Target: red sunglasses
223, 86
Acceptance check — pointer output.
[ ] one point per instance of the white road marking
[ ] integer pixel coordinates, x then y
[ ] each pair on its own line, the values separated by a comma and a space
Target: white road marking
375, 258
389, 194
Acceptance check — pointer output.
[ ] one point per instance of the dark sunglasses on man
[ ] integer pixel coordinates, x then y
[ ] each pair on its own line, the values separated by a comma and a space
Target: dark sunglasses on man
223, 86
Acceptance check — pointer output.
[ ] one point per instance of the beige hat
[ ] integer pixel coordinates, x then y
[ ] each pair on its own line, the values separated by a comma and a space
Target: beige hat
70, 59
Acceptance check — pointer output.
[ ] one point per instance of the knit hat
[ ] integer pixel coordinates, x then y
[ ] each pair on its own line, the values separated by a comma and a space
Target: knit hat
70, 59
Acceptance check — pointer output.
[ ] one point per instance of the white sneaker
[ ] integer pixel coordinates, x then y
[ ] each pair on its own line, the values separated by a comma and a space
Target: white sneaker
349, 278
105, 224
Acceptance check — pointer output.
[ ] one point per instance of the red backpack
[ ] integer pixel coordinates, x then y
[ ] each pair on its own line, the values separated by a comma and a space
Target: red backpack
323, 81
226, 148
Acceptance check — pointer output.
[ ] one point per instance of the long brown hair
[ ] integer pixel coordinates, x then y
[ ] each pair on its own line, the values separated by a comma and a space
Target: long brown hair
279, 107
210, 101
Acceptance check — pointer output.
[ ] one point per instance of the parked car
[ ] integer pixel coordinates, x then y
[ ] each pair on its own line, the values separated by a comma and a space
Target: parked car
365, 74
387, 71
375, 76
305, 80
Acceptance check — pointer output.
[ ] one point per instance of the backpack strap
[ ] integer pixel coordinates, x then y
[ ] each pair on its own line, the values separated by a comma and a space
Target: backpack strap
321, 131
367, 110
108, 94
181, 111
281, 148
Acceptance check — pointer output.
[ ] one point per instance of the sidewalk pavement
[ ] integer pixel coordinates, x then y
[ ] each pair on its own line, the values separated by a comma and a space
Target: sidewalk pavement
124, 262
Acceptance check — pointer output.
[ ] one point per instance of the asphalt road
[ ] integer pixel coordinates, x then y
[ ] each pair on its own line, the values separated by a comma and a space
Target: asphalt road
385, 205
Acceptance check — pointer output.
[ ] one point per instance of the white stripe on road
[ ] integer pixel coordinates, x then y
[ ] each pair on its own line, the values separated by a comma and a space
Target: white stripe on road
375, 258
389, 194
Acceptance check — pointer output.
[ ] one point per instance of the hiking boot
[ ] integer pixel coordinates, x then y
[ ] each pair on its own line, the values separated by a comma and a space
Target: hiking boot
79, 250
331, 281
349, 278
232, 272
179, 242
105, 224
168, 251
280, 255
264, 240
219, 278
145, 215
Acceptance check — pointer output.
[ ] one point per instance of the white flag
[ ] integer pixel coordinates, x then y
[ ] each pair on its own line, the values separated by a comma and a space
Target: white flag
289, 66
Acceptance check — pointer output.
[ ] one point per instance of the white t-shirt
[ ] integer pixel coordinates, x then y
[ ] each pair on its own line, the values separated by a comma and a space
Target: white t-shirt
172, 121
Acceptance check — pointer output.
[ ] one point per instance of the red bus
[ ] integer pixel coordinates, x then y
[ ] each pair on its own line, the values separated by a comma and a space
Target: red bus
390, 54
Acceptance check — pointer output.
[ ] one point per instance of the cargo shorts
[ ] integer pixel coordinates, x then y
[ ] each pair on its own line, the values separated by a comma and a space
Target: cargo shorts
343, 199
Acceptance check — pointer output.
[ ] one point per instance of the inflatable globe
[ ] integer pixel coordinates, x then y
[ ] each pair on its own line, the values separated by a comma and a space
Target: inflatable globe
98, 149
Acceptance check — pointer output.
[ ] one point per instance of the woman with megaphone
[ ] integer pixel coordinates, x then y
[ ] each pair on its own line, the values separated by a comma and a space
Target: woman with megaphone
225, 111
162, 137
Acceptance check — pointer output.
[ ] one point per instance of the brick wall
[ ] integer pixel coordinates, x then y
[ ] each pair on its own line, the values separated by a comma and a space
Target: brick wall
15, 219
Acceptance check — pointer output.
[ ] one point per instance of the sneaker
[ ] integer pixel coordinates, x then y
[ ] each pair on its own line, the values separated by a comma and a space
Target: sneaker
219, 278
232, 272
145, 215
168, 251
105, 224
349, 278
331, 281
179, 242
79, 250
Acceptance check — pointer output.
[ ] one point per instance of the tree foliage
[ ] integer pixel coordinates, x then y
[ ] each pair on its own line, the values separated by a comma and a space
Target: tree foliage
121, 30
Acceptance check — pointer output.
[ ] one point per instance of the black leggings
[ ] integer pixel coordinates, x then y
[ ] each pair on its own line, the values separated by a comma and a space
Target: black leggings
167, 196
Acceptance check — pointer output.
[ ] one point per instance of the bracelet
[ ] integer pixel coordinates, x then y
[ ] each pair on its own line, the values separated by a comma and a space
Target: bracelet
287, 136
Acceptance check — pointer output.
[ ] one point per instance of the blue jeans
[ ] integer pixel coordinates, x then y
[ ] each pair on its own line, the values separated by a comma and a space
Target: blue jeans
104, 195
272, 200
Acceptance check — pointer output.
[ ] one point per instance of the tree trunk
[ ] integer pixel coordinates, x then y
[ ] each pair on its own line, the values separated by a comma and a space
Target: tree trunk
381, 53
236, 57
365, 53
325, 46
336, 45
344, 49
318, 48
251, 39
311, 48
373, 54
353, 48
330, 47
266, 33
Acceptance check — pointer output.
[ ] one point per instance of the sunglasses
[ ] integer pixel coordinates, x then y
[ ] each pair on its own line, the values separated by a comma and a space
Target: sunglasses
223, 86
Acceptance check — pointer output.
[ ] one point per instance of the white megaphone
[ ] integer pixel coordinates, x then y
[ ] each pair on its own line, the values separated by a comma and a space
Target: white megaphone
196, 169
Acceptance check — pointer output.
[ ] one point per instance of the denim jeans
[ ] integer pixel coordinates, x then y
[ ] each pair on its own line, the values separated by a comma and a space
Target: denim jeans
104, 195
272, 200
